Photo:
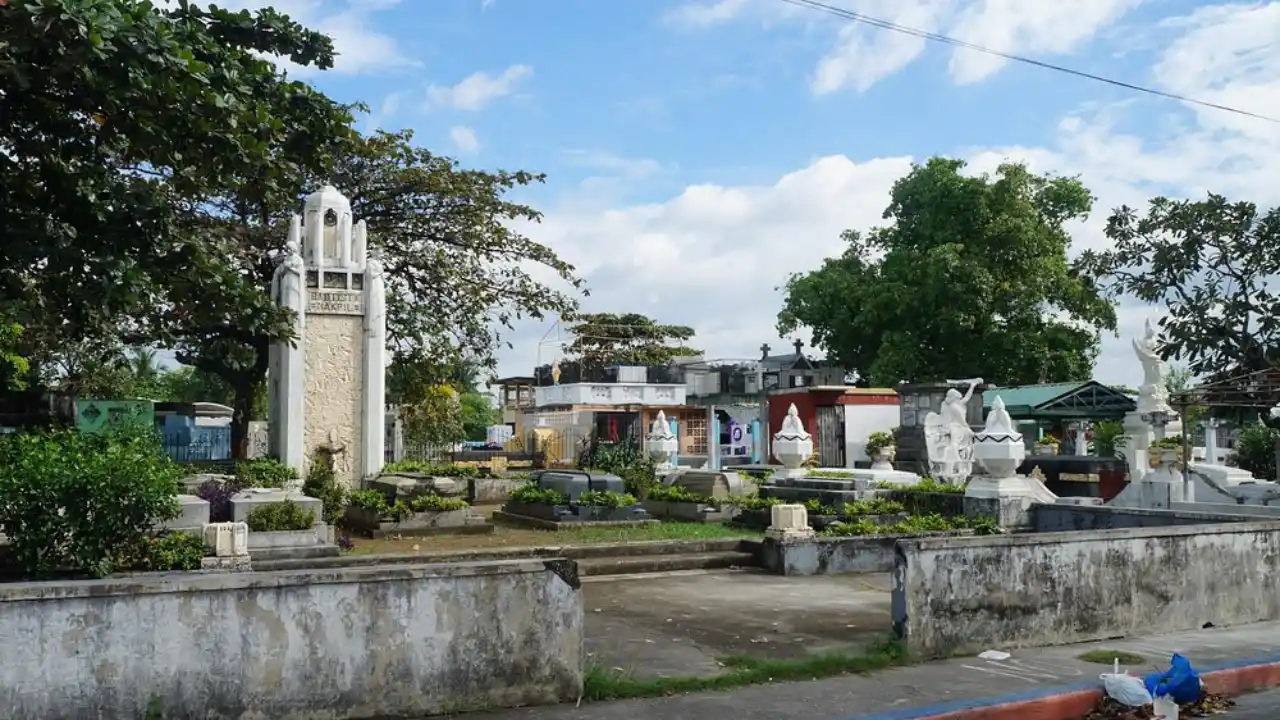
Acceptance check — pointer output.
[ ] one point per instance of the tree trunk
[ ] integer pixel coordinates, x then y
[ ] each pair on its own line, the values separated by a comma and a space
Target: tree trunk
242, 413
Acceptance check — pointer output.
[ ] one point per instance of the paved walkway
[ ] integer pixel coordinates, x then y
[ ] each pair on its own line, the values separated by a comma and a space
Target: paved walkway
1259, 706
932, 688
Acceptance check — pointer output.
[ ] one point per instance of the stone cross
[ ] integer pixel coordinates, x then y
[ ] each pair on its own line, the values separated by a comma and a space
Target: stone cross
799, 344
764, 351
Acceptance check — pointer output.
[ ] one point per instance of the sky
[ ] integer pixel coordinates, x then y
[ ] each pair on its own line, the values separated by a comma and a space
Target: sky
699, 152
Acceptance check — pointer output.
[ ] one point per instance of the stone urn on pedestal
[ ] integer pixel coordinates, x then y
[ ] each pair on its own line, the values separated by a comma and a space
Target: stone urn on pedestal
881, 448
792, 445
1001, 493
661, 444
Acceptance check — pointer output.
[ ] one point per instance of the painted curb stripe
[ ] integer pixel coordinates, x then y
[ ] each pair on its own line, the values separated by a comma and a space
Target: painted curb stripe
1065, 701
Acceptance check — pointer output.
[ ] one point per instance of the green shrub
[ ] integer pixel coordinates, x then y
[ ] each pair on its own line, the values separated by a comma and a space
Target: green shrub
531, 494
1107, 436
72, 501
165, 552
264, 473
437, 503
371, 500
322, 484
1256, 450
676, 493
275, 517
879, 441
606, 499
449, 470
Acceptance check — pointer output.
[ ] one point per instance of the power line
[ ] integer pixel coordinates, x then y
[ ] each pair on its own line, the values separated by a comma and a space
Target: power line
895, 27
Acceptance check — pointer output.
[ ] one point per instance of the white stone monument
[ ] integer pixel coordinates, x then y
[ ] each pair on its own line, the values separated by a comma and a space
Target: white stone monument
792, 445
1154, 418
327, 391
661, 444
1000, 450
948, 437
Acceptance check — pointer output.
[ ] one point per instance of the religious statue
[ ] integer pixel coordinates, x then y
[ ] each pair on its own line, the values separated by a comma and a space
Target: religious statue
375, 319
291, 280
948, 437
1152, 395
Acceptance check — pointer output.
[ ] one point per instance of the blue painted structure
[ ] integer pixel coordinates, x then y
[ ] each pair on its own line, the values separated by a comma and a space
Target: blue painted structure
185, 441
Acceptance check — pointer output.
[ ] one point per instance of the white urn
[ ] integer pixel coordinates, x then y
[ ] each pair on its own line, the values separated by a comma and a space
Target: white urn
661, 443
792, 444
999, 448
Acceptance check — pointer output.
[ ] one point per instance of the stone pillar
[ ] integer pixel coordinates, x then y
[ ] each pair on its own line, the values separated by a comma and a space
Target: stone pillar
327, 388
1210, 441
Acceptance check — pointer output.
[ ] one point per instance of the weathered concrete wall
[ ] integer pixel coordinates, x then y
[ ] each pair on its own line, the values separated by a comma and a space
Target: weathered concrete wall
1257, 511
334, 379
1062, 517
356, 642
831, 555
964, 595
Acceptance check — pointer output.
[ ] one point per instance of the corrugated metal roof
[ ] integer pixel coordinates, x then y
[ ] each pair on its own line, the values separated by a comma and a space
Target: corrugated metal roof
1028, 396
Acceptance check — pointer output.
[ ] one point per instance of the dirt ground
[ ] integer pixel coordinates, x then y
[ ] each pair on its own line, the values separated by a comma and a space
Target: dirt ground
681, 624
509, 537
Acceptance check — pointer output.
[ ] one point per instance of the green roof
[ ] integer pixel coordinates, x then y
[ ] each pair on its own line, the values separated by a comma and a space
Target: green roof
1082, 400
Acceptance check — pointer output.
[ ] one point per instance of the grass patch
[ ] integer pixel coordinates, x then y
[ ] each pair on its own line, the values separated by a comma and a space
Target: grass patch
660, 531
1107, 657
606, 684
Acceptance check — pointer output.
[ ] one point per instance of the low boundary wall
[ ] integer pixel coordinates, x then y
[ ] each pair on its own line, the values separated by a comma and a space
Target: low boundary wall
964, 595
365, 642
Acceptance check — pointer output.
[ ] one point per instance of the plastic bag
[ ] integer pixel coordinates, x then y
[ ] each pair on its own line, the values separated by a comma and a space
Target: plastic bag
1180, 682
1126, 689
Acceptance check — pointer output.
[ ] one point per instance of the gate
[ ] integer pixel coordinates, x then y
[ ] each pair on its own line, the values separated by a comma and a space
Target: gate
828, 435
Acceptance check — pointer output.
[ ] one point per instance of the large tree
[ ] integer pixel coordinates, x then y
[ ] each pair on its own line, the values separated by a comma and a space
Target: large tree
449, 238
604, 339
116, 118
1213, 265
970, 278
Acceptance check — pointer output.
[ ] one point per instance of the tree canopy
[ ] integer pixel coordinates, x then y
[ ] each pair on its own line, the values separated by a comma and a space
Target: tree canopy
116, 118
1213, 265
606, 339
969, 279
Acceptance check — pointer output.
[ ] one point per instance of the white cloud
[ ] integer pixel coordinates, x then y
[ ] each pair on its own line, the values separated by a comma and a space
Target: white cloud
863, 54
360, 48
464, 139
713, 255
478, 89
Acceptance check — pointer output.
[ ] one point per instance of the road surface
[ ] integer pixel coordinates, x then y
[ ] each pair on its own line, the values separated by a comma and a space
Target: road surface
1259, 706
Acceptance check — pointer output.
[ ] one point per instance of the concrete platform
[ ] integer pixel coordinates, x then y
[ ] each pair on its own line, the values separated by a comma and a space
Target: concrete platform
681, 624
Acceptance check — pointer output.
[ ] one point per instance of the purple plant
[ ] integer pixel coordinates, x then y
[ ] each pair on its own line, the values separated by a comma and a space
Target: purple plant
345, 542
219, 498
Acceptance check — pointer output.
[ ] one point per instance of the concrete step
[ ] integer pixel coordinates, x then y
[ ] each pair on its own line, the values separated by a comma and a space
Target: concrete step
592, 567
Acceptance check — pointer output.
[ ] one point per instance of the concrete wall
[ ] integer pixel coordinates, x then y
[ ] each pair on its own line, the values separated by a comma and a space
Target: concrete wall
1063, 517
355, 642
1256, 511
955, 596
862, 420
831, 555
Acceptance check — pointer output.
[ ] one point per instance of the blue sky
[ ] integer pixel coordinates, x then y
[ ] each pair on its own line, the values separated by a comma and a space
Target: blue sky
698, 152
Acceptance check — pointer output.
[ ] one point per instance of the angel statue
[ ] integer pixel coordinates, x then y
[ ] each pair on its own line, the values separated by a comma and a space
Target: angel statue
1152, 395
948, 437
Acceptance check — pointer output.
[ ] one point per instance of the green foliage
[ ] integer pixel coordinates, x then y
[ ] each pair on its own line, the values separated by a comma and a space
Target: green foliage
879, 441
608, 339
264, 473
628, 460
373, 501
752, 503
913, 524
926, 485
1107, 436
970, 280
477, 414
449, 470
322, 484
1256, 450
175, 551
13, 367
1211, 264
434, 416
437, 503
276, 517
72, 501
678, 494
606, 499
531, 494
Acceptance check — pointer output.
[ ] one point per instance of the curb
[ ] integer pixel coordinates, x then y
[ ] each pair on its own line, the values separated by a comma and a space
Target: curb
1073, 702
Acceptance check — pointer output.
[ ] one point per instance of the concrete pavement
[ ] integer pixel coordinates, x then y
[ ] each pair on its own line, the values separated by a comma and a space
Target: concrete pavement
931, 689
1256, 706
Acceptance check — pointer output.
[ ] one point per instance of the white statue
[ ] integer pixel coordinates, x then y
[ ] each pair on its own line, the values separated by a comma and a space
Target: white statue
948, 437
1152, 395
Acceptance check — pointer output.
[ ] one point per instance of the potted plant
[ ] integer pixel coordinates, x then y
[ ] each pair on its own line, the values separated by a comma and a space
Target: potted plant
881, 448
1047, 445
